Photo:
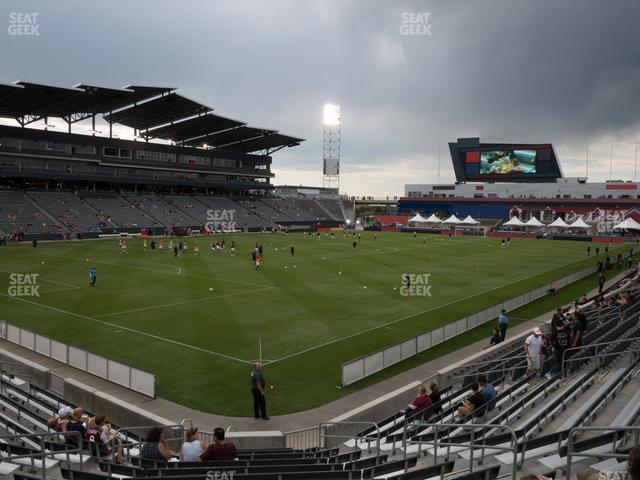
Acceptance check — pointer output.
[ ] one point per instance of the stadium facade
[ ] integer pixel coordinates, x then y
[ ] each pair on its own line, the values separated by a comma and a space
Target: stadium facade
498, 181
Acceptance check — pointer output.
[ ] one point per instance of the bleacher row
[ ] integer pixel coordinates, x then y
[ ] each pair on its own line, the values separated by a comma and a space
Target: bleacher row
530, 427
40, 212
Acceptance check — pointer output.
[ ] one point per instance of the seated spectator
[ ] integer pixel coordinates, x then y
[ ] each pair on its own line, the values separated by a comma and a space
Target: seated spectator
75, 424
582, 300
219, 449
474, 401
435, 397
58, 420
421, 403
495, 337
578, 332
488, 392
98, 433
192, 447
154, 447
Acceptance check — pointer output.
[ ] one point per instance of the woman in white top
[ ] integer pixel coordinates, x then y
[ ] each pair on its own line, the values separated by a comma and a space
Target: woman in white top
192, 447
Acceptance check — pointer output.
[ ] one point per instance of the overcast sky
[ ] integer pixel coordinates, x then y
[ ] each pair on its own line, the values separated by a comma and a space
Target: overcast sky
559, 71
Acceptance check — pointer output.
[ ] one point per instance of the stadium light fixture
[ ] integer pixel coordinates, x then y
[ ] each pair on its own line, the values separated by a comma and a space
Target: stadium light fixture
331, 114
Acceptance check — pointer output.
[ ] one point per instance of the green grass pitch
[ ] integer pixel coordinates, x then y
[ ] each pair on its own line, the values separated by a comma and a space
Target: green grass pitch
158, 313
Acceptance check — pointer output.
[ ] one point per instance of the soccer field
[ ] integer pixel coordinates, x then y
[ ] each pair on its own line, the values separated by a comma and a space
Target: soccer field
194, 321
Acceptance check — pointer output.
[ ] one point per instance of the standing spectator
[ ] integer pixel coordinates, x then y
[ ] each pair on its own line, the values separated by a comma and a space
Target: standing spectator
503, 323
560, 339
192, 447
257, 389
219, 449
488, 392
601, 281
533, 348
578, 332
435, 397
154, 447
421, 403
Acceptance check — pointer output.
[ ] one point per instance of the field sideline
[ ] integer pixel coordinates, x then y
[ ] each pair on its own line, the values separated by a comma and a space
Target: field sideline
194, 320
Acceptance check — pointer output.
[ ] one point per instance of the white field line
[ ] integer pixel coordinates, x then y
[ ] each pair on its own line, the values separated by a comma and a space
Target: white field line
185, 302
121, 327
167, 273
411, 315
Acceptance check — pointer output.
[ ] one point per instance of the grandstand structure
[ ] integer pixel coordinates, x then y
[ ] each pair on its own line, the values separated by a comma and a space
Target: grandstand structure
585, 415
502, 180
183, 161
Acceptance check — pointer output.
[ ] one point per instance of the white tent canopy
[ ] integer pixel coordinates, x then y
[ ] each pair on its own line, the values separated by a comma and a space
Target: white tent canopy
469, 220
627, 224
417, 219
534, 222
514, 222
453, 219
580, 223
559, 223
433, 219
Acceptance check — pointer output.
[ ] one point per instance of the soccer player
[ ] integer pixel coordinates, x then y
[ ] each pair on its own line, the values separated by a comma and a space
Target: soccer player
508, 241
196, 249
93, 275
153, 246
375, 236
589, 251
161, 244
414, 234
258, 261
144, 244
503, 243
354, 244
293, 250
233, 248
175, 251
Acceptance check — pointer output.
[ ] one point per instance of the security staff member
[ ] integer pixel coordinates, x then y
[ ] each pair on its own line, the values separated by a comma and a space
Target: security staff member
257, 389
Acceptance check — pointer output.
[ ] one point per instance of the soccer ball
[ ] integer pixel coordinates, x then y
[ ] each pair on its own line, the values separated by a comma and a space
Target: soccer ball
43, 263
210, 289
364, 287
271, 387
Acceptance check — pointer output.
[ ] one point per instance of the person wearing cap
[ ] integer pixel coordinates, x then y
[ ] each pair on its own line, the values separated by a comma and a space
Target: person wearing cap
60, 418
533, 347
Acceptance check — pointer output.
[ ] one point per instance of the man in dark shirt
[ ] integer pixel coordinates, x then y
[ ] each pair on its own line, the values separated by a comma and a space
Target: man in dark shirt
74, 425
560, 338
219, 449
488, 392
578, 332
257, 390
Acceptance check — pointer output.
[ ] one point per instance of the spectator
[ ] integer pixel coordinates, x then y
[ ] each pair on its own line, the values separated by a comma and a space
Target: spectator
435, 397
533, 348
474, 401
421, 403
58, 420
560, 340
219, 449
154, 448
75, 424
488, 392
258, 385
495, 337
503, 323
578, 332
601, 280
192, 447
98, 434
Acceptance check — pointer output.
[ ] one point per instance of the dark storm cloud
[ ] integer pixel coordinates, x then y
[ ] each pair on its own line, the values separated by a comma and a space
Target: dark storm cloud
543, 70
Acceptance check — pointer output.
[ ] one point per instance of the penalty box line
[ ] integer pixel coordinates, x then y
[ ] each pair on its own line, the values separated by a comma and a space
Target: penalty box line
114, 325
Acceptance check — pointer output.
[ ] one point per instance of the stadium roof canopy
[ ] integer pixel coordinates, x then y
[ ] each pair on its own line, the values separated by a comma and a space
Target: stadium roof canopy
157, 112
193, 127
166, 109
28, 102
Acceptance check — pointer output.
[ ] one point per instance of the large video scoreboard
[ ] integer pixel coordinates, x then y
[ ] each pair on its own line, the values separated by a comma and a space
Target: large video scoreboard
503, 162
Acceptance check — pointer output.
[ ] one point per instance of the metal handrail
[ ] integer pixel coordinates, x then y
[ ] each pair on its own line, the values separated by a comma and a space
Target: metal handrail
473, 426
322, 433
575, 430
43, 454
594, 355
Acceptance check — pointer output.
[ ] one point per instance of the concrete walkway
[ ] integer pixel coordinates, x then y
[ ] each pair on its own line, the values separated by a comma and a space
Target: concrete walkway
289, 422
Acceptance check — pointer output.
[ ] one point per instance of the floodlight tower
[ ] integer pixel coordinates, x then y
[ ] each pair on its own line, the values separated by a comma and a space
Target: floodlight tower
331, 147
